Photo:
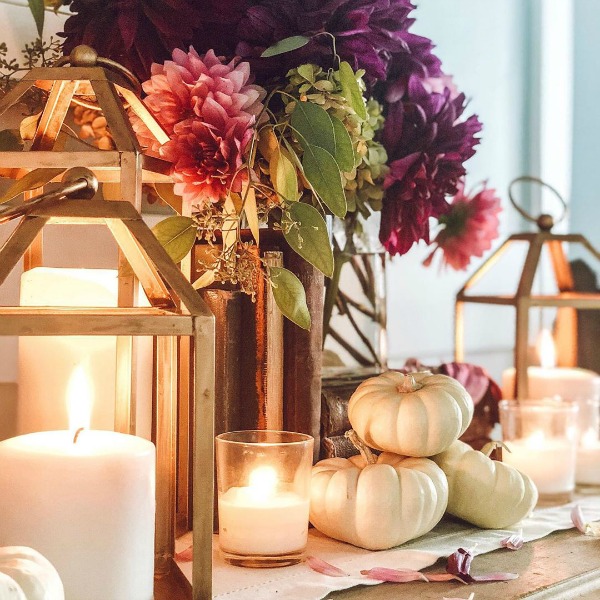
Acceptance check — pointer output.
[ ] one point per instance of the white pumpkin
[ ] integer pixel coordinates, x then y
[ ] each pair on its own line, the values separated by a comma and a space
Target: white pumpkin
377, 506
485, 492
414, 415
26, 575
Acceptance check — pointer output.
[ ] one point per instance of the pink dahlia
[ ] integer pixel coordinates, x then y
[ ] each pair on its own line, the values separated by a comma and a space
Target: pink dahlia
179, 89
469, 228
207, 158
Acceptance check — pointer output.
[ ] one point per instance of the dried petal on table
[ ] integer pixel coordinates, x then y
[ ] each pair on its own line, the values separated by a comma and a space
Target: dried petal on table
513, 542
459, 563
579, 521
394, 575
444, 577
320, 566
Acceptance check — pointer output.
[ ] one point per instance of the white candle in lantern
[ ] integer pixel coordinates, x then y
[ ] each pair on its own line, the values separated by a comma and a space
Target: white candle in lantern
87, 505
588, 459
548, 380
46, 362
263, 518
550, 462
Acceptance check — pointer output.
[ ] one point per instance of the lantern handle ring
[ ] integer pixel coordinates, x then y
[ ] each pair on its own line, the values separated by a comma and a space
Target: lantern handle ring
544, 221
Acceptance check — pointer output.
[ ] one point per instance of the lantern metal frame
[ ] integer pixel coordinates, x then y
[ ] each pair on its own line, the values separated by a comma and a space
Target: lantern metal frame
567, 300
179, 321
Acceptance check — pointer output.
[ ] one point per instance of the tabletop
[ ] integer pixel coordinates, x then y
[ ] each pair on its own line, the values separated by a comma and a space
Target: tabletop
564, 565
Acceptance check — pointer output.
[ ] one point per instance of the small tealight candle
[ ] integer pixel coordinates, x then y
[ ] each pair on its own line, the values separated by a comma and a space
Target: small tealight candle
542, 439
588, 459
264, 496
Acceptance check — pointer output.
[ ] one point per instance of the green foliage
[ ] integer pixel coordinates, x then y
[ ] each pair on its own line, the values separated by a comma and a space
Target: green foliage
286, 45
37, 10
34, 179
351, 90
176, 235
324, 175
305, 231
290, 296
313, 126
283, 175
10, 140
344, 153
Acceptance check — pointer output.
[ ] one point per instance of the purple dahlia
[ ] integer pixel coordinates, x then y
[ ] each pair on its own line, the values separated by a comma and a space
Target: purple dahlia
427, 145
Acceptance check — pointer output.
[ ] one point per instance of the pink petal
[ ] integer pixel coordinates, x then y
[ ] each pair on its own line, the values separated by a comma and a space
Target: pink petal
495, 577
186, 555
394, 575
471, 596
320, 566
513, 542
577, 518
444, 577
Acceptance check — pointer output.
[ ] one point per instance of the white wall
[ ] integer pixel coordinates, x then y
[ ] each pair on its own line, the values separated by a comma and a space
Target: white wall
483, 43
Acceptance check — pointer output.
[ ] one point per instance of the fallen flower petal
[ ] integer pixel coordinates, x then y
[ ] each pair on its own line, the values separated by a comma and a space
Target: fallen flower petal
577, 518
513, 542
471, 596
459, 563
592, 529
186, 555
495, 577
394, 575
320, 566
444, 577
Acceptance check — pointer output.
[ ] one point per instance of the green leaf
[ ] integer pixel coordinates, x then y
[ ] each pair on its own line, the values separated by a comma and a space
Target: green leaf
313, 126
323, 173
10, 140
308, 236
33, 180
344, 153
351, 90
286, 45
37, 10
283, 175
290, 296
176, 235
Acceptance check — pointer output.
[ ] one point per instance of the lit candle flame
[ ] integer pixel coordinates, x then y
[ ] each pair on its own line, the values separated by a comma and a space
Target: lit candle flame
79, 400
546, 349
536, 439
262, 482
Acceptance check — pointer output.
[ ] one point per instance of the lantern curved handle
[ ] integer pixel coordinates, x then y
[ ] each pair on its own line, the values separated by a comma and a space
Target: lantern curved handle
544, 221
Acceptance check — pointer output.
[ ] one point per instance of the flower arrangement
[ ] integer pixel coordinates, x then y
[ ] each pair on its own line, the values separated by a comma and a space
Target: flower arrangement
282, 112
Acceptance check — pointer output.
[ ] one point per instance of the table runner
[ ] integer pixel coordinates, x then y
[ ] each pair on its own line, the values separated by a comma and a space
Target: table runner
299, 582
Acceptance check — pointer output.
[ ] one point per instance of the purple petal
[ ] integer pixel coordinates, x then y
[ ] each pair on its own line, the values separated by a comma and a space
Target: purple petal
459, 562
394, 575
320, 566
513, 542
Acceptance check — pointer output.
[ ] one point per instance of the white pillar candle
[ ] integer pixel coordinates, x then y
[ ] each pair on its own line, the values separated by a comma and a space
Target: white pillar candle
47, 362
87, 506
550, 462
264, 518
547, 382
588, 459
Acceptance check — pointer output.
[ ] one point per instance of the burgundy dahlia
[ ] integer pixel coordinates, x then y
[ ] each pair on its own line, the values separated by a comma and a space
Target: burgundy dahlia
427, 145
135, 33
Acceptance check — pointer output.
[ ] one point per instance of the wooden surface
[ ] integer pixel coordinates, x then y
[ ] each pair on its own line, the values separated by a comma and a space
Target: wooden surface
562, 566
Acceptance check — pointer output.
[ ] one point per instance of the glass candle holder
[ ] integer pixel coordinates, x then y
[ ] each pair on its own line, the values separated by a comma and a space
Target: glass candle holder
542, 438
263, 482
587, 474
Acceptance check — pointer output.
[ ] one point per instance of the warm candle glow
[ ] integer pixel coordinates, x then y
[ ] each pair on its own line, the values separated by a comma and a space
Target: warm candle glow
262, 483
79, 400
535, 440
589, 439
546, 349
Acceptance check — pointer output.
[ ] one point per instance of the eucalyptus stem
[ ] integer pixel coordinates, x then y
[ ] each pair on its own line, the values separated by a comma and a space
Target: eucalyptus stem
340, 258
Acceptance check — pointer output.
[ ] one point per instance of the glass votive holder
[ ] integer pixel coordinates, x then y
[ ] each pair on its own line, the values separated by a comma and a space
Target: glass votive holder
263, 480
542, 438
587, 473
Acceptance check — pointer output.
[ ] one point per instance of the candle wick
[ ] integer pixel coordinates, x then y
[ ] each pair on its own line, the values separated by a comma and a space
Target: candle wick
77, 434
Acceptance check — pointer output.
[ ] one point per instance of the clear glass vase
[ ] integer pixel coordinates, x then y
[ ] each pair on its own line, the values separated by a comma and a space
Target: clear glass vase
355, 300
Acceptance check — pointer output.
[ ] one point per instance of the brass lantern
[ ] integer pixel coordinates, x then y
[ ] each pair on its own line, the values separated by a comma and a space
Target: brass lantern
177, 319
566, 300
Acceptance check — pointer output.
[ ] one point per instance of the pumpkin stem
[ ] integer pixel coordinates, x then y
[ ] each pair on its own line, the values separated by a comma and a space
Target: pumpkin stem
408, 385
365, 451
494, 445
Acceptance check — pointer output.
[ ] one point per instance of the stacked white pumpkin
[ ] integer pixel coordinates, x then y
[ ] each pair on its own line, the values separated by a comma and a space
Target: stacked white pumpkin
423, 470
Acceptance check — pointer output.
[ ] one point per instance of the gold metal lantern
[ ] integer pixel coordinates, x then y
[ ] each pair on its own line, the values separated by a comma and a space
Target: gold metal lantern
181, 325
567, 300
